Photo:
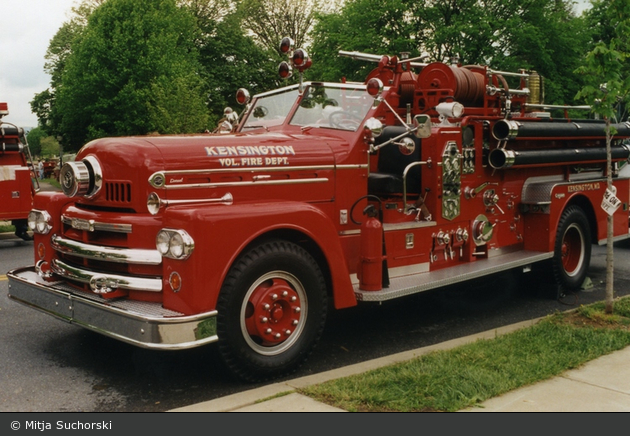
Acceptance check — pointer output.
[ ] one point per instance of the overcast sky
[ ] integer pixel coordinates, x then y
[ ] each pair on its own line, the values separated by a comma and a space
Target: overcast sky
27, 28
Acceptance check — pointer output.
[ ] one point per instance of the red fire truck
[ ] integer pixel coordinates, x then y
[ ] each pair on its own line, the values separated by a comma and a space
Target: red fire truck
17, 183
320, 196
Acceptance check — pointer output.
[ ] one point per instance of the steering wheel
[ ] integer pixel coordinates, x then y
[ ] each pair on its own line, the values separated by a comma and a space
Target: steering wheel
344, 120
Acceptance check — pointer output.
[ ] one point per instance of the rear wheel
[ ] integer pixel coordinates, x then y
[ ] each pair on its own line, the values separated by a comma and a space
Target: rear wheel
271, 311
572, 251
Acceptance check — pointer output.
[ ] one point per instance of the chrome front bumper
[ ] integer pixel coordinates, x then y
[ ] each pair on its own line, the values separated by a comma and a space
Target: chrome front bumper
139, 323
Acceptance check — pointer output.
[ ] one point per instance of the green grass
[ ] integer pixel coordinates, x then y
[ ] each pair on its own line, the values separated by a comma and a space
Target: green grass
9, 228
53, 182
455, 379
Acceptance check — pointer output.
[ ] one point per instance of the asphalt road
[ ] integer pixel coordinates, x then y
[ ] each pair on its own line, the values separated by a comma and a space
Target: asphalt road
51, 366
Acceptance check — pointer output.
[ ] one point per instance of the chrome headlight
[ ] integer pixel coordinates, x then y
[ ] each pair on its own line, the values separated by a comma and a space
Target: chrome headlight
39, 221
82, 178
174, 244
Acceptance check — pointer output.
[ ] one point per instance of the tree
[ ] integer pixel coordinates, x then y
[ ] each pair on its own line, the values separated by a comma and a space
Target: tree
272, 20
365, 26
34, 139
230, 60
127, 51
50, 147
608, 86
547, 37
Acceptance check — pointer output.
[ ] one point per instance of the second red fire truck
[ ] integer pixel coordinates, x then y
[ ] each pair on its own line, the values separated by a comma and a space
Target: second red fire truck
18, 183
321, 195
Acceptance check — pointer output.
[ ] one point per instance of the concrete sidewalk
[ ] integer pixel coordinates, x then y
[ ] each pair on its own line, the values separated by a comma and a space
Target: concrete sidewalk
602, 385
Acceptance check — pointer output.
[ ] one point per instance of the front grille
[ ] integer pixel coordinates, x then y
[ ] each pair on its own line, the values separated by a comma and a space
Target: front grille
118, 192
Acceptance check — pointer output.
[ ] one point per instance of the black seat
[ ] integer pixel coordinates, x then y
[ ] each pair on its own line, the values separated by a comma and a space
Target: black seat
388, 179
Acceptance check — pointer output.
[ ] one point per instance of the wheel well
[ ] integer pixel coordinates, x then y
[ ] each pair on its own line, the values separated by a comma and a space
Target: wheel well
583, 203
303, 241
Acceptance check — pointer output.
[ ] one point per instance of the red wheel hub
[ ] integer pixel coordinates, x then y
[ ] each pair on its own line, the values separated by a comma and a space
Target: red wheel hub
273, 312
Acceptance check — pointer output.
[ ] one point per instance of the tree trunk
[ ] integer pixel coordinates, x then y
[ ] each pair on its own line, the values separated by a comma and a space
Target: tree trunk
609, 229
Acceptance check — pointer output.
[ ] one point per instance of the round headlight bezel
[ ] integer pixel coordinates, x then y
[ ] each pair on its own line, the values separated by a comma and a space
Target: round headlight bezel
174, 244
40, 222
32, 220
162, 242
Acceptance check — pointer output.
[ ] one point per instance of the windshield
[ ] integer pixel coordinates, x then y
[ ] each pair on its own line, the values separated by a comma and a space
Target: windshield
271, 110
334, 107
341, 107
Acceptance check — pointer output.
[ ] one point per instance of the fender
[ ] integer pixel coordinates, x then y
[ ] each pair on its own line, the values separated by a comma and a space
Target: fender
221, 235
548, 200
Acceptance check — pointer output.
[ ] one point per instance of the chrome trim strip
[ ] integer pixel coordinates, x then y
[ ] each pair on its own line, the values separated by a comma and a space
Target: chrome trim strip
352, 167
91, 225
142, 324
280, 90
392, 227
242, 170
121, 282
248, 170
227, 200
348, 85
108, 254
249, 183
258, 179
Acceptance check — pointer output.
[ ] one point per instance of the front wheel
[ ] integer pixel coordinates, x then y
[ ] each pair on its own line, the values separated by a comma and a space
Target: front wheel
271, 311
572, 251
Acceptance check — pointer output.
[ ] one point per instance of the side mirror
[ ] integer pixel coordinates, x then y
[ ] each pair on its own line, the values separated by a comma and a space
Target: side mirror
422, 125
225, 127
374, 126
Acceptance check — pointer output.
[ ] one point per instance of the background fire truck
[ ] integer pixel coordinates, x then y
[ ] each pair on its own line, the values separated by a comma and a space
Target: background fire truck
17, 182
320, 196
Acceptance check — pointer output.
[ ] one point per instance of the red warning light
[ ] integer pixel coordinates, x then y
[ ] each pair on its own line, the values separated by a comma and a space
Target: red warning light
284, 70
286, 45
300, 58
374, 87
242, 96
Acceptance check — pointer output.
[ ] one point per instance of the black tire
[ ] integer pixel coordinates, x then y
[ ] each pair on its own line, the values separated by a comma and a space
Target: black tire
572, 250
271, 311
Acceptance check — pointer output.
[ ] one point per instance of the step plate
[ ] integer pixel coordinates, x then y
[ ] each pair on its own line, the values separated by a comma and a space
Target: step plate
412, 284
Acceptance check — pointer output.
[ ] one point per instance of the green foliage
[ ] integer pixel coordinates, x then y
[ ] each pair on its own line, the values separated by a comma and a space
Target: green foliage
128, 50
605, 68
462, 377
231, 60
41, 106
50, 147
548, 38
364, 26
34, 139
